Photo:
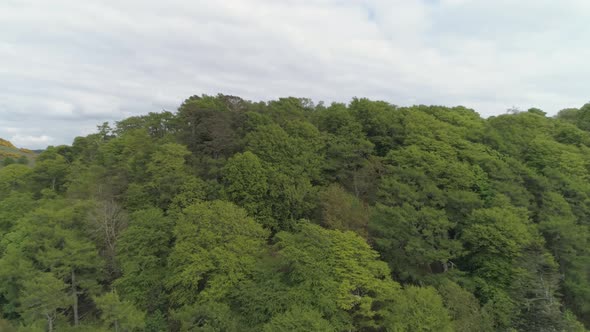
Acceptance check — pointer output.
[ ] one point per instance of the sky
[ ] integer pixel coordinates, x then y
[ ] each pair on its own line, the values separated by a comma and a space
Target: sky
67, 66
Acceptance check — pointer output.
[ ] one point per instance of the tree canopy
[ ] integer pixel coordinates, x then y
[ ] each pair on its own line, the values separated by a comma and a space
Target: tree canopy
232, 215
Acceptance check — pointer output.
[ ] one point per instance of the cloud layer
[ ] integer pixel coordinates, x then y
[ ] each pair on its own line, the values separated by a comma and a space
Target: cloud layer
70, 65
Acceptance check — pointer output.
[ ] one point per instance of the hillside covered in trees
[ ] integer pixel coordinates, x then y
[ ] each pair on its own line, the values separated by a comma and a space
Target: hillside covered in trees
230, 215
10, 154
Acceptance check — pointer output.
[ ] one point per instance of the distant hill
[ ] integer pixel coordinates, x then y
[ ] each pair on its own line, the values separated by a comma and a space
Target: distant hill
14, 154
6, 143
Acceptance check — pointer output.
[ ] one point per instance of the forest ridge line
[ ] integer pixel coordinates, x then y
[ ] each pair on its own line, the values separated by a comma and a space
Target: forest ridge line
232, 215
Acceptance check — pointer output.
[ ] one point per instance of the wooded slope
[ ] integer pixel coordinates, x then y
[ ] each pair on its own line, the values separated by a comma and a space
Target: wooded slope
230, 215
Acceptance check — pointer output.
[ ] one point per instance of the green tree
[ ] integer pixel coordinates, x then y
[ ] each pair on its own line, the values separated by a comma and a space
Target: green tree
246, 183
464, 308
343, 211
43, 298
216, 246
23, 160
210, 126
167, 171
12, 208
298, 320
52, 238
484, 221
13, 177
293, 161
158, 125
118, 314
209, 316
415, 242
8, 161
356, 290
346, 146
51, 169
15, 269
142, 251
380, 122
420, 309
494, 239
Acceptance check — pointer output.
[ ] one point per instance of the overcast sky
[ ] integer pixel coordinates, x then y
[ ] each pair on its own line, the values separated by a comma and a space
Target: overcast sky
66, 66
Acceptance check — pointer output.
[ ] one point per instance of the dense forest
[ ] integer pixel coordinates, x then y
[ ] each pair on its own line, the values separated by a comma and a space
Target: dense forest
231, 215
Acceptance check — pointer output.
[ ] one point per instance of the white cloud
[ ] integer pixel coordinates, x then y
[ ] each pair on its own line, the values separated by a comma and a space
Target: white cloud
31, 141
69, 65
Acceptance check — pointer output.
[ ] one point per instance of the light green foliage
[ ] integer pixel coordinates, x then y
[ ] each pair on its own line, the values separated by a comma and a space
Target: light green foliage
51, 169
419, 309
580, 117
357, 279
464, 309
246, 183
425, 191
208, 316
567, 240
298, 320
572, 324
292, 161
158, 125
127, 153
167, 171
356, 291
494, 239
512, 134
155, 322
42, 298
51, 239
294, 151
142, 250
191, 191
12, 208
217, 245
497, 232
117, 314
511, 268
14, 177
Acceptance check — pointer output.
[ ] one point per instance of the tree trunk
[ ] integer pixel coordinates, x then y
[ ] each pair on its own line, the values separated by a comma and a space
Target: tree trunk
49, 323
354, 182
75, 295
